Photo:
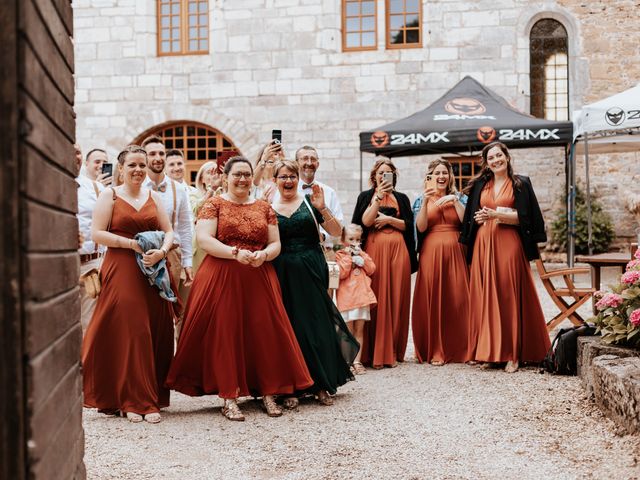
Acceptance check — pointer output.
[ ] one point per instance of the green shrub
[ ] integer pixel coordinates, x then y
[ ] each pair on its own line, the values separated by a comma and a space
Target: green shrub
601, 224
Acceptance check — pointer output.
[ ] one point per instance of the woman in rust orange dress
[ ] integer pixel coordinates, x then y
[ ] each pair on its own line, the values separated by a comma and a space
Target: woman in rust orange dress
502, 226
129, 343
387, 221
237, 340
440, 314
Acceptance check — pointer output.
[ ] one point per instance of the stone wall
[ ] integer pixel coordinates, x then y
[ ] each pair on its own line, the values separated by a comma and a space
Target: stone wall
279, 64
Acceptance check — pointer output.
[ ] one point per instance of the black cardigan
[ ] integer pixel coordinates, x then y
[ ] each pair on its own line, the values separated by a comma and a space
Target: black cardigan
363, 202
531, 228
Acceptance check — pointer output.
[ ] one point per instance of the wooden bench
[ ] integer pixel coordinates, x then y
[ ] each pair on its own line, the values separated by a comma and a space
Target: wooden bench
579, 296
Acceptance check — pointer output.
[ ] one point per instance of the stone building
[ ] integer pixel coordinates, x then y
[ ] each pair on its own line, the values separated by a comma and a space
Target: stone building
220, 75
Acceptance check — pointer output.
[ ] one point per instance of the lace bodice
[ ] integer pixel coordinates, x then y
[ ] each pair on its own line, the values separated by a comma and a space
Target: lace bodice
240, 225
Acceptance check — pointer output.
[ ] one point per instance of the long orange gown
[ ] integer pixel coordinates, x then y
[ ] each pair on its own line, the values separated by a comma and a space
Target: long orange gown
385, 336
507, 323
440, 314
237, 340
129, 343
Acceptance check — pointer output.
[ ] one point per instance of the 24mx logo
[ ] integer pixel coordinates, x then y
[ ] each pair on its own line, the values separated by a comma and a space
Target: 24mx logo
417, 138
526, 134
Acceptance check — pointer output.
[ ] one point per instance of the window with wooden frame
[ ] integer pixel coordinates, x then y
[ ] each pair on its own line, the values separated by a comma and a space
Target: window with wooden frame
464, 169
359, 25
404, 23
183, 27
549, 70
199, 144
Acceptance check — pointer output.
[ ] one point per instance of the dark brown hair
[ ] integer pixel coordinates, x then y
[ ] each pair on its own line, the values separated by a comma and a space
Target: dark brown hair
174, 152
129, 149
485, 172
152, 139
233, 160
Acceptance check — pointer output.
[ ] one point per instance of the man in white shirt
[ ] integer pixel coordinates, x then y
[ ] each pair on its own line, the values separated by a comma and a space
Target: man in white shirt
176, 203
89, 187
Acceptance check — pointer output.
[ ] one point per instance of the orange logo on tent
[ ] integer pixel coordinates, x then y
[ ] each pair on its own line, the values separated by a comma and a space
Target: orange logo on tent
379, 139
486, 134
465, 106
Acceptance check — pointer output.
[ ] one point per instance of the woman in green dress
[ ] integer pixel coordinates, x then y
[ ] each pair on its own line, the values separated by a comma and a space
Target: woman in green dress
323, 336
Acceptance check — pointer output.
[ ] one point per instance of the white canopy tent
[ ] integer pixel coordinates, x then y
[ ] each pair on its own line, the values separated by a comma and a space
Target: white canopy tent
611, 125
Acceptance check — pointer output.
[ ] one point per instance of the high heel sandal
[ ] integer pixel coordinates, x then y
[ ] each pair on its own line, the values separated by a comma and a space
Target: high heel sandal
153, 417
324, 398
232, 411
270, 406
358, 368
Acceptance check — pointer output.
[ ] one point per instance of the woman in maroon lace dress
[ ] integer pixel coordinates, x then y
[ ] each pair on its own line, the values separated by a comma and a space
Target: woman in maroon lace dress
237, 340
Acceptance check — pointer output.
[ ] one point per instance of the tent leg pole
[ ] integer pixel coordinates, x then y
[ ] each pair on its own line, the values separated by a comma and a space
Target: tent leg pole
571, 206
588, 186
361, 188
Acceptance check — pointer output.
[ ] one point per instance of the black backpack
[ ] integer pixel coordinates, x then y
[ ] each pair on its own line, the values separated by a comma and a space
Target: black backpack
561, 359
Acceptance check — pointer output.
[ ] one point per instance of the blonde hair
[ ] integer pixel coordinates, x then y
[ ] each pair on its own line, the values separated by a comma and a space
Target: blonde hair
288, 164
451, 188
352, 227
199, 180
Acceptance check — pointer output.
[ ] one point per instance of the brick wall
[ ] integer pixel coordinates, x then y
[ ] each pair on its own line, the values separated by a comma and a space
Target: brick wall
40, 258
280, 64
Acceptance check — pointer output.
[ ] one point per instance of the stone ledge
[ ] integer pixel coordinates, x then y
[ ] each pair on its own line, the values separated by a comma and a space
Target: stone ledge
611, 377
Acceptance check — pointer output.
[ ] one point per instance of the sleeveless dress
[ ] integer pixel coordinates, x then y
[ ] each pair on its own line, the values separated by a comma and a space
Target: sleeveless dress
440, 314
236, 339
326, 343
385, 336
507, 323
129, 343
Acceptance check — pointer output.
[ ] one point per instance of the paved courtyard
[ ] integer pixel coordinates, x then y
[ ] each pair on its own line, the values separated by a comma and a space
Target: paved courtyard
411, 422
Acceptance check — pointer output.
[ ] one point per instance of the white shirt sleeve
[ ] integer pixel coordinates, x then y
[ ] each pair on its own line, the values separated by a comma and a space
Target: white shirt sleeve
183, 227
334, 205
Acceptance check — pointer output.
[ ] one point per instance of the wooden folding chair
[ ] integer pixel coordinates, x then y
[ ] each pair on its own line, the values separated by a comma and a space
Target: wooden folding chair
579, 295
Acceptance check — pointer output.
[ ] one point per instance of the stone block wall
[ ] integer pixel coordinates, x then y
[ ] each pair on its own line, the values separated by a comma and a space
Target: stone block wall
280, 64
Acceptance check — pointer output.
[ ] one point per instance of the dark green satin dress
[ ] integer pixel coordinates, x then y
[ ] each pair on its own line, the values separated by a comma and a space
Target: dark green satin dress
326, 343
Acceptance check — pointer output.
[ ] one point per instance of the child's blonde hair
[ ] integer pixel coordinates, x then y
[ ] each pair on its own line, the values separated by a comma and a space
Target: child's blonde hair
354, 227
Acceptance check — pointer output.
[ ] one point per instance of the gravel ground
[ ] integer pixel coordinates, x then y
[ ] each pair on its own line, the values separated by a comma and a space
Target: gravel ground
411, 422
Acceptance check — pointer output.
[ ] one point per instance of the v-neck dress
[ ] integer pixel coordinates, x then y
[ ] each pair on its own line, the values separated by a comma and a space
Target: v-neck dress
507, 322
326, 343
129, 343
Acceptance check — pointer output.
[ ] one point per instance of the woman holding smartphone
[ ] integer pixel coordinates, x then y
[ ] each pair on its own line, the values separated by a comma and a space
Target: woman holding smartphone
387, 221
501, 228
440, 314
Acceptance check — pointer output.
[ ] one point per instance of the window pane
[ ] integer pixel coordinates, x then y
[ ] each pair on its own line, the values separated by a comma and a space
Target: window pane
193, 45
412, 36
165, 34
353, 24
368, 8
396, 22
193, 20
175, 9
165, 21
412, 6
175, 33
164, 10
368, 23
164, 47
203, 45
353, 9
411, 20
396, 6
175, 46
203, 7
203, 32
353, 40
193, 7
193, 33
203, 19
191, 143
395, 37
368, 39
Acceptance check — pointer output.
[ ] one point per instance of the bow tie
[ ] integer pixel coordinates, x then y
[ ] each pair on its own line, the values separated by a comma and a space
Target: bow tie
159, 188
308, 185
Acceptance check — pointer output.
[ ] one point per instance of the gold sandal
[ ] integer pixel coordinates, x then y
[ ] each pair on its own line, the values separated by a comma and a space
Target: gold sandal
270, 406
153, 417
324, 398
512, 366
232, 411
358, 368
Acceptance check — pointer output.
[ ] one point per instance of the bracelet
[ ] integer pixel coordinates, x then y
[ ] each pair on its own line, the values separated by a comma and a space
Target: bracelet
234, 252
376, 197
164, 252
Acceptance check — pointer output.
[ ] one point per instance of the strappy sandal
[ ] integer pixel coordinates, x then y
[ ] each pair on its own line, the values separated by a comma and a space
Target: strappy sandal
358, 368
153, 417
232, 411
270, 406
134, 417
437, 363
512, 367
290, 403
324, 398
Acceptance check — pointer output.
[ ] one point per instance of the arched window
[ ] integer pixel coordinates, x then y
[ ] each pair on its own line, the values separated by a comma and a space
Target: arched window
549, 74
199, 143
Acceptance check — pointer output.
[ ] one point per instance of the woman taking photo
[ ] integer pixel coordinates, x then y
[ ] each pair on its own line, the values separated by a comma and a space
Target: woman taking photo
265, 187
325, 340
128, 346
501, 227
236, 340
440, 314
387, 220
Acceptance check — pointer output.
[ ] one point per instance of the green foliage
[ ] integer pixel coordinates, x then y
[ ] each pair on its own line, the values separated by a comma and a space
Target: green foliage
602, 226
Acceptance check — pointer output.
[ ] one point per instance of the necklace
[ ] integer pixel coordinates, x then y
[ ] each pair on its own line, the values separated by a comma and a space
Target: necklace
133, 198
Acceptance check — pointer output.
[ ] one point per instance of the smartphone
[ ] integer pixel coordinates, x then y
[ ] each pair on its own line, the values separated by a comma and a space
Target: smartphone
107, 168
388, 177
430, 182
276, 136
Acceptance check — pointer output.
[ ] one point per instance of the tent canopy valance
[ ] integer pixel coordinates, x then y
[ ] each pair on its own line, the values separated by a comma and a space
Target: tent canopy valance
464, 119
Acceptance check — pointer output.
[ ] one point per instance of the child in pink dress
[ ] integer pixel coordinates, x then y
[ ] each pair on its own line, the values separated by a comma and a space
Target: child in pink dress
355, 296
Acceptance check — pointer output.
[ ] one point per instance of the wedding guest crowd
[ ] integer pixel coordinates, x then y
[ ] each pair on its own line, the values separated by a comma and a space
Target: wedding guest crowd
259, 319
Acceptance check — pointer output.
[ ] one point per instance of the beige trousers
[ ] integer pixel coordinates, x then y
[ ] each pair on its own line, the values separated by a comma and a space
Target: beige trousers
87, 304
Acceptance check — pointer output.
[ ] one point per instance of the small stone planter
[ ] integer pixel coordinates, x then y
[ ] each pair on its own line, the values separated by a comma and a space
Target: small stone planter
611, 377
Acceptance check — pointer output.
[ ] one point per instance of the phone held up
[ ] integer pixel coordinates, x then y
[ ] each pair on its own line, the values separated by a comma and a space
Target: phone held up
388, 177
107, 169
276, 136
430, 182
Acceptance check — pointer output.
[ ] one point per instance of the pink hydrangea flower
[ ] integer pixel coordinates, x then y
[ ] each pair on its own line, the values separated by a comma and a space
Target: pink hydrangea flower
609, 300
631, 277
634, 318
633, 265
